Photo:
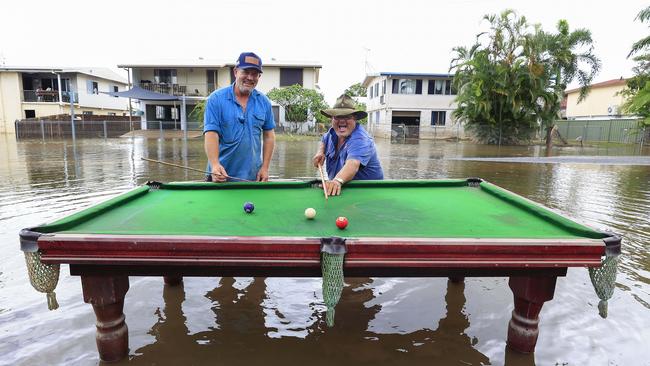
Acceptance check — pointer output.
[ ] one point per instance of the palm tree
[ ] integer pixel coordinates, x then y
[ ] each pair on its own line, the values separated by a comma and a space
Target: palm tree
637, 90
515, 81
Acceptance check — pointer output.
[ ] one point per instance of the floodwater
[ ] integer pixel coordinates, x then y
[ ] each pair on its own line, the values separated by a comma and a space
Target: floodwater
280, 321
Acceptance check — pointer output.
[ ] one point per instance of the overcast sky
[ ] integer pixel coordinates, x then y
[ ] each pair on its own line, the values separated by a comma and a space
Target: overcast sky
344, 36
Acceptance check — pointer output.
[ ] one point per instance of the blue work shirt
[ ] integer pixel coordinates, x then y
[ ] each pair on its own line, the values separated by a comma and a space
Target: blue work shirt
358, 146
240, 134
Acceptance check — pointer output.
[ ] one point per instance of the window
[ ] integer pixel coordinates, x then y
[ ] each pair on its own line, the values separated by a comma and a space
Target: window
30, 113
87, 113
376, 116
111, 114
383, 87
418, 86
115, 90
212, 77
376, 89
65, 85
438, 87
175, 114
92, 87
167, 76
438, 118
430, 86
290, 76
405, 86
370, 117
370, 93
160, 112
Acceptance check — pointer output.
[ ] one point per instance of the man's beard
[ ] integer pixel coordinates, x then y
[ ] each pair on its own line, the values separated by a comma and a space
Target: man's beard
244, 89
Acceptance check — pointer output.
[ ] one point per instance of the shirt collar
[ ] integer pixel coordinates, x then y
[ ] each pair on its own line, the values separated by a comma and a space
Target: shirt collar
334, 139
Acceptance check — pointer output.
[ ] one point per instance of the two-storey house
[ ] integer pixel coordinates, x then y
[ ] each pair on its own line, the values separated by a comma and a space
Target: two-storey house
196, 79
32, 92
603, 101
411, 105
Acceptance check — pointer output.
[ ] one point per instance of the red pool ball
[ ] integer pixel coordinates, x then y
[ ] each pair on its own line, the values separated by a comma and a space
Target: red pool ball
341, 222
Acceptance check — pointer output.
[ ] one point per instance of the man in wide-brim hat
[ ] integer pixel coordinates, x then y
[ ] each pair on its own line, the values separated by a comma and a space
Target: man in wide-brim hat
347, 149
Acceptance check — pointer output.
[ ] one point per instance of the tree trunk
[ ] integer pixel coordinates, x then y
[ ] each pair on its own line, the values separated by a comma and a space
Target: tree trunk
549, 138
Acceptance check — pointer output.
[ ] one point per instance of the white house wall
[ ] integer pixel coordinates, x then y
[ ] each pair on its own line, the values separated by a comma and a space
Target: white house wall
100, 101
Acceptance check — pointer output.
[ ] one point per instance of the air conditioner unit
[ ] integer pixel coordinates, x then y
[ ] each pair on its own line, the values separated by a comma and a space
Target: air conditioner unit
612, 110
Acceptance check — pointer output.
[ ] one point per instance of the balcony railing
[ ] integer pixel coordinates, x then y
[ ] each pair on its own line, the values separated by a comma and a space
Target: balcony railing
199, 90
49, 96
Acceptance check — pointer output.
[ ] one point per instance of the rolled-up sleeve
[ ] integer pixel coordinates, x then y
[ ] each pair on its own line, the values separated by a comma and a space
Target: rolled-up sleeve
361, 149
211, 120
269, 121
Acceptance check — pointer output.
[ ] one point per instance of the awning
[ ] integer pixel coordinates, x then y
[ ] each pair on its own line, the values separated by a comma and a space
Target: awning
142, 94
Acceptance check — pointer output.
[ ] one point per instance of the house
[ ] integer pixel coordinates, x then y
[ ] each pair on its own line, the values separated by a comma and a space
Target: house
602, 102
196, 79
411, 105
32, 92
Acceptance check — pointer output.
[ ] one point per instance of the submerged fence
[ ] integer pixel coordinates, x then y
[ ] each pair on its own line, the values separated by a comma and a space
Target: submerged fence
625, 131
46, 129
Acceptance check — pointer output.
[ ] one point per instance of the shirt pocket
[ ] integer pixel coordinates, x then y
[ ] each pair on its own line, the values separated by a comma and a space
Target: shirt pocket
258, 122
232, 126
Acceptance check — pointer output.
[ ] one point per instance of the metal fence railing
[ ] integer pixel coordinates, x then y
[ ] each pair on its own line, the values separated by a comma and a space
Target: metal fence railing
188, 89
625, 131
49, 96
172, 125
46, 129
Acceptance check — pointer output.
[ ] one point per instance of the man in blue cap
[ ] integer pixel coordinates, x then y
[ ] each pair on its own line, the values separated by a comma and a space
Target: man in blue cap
238, 126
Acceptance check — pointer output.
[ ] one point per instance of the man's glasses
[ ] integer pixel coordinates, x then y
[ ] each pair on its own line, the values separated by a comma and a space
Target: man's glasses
251, 73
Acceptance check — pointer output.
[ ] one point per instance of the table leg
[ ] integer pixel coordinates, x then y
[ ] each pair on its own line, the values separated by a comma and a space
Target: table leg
106, 294
173, 280
457, 279
530, 293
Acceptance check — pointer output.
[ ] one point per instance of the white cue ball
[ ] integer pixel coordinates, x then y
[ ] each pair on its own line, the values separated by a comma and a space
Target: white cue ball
310, 213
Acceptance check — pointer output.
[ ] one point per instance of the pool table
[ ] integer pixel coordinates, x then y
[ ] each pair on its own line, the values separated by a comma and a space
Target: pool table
403, 228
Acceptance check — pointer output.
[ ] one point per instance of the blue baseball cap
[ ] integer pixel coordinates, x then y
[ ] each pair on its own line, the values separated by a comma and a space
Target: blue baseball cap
249, 60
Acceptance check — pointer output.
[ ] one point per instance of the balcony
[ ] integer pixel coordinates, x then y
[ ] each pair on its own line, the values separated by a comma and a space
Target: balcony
199, 90
49, 96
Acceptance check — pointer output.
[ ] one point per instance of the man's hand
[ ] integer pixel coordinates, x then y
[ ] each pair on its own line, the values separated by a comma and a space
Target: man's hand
219, 173
318, 159
263, 175
333, 187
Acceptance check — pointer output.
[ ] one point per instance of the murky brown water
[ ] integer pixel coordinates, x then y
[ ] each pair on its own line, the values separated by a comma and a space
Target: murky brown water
280, 321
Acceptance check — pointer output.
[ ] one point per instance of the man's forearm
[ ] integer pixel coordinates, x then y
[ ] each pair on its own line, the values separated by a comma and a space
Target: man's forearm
267, 150
211, 145
349, 170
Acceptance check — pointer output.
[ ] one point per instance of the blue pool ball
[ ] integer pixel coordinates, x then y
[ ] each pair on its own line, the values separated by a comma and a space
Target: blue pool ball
249, 207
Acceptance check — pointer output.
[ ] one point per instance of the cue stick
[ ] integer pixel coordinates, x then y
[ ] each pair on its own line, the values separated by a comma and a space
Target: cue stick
322, 179
190, 168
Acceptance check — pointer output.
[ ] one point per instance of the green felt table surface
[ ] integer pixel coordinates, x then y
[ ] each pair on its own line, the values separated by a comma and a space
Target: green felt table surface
409, 209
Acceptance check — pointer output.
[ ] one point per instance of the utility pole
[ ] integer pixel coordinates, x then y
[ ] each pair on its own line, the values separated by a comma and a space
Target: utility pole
72, 115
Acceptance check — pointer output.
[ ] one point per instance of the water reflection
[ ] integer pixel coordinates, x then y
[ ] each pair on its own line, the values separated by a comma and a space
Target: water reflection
239, 335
